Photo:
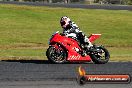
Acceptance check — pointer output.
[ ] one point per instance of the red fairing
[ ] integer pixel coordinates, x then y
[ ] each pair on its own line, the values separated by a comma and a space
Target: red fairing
71, 45
93, 37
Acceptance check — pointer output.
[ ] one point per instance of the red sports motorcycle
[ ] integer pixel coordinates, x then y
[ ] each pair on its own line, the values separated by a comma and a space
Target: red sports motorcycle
64, 49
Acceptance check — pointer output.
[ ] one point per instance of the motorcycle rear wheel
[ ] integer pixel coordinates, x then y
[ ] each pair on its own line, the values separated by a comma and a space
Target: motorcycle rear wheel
56, 55
100, 57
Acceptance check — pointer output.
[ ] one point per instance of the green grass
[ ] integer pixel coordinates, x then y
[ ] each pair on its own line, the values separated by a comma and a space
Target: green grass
117, 54
29, 26
120, 53
23, 54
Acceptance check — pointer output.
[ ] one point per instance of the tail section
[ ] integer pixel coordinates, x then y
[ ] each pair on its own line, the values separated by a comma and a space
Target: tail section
93, 37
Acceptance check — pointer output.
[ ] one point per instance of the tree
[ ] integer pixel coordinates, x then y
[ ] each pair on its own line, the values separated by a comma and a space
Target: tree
49, 1
67, 1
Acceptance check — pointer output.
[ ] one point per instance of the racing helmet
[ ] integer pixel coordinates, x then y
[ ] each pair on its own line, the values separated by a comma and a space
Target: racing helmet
64, 21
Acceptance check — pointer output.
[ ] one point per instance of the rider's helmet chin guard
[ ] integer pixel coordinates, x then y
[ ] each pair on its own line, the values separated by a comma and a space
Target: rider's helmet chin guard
64, 21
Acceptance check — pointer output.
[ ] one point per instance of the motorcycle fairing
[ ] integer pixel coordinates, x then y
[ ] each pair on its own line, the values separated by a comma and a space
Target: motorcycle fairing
70, 45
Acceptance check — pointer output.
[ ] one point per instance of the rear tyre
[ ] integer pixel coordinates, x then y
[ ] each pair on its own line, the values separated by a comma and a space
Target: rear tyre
56, 55
100, 56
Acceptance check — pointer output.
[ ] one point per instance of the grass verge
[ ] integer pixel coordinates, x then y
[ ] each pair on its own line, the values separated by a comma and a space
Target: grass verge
25, 30
117, 54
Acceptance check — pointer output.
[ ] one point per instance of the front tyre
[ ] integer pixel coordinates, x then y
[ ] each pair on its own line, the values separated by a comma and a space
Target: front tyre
56, 54
100, 55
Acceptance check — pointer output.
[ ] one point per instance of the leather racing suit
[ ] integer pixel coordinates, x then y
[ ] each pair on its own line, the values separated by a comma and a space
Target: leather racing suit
73, 31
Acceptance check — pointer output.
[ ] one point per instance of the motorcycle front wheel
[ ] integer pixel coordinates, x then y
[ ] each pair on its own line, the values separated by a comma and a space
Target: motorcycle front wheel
56, 55
100, 55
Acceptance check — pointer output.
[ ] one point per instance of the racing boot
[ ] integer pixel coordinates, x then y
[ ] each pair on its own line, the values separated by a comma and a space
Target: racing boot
88, 48
88, 45
83, 53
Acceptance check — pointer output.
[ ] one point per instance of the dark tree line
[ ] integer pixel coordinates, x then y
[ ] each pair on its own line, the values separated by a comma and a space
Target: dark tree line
124, 2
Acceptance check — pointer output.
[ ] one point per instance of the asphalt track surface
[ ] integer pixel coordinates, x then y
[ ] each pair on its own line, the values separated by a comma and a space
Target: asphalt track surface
42, 74
108, 7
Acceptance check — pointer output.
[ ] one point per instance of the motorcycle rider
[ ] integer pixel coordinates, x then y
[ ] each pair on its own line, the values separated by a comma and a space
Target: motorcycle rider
70, 29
